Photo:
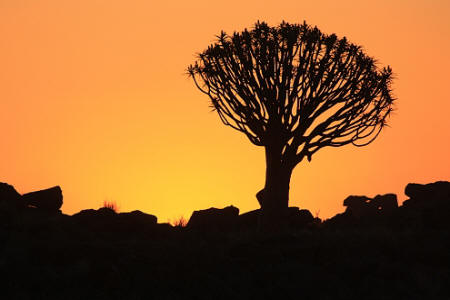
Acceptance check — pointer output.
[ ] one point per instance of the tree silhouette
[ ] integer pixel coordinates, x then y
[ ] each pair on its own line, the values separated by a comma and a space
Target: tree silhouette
293, 90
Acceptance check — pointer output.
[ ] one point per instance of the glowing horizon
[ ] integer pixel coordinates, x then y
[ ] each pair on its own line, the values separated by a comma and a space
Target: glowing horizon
95, 99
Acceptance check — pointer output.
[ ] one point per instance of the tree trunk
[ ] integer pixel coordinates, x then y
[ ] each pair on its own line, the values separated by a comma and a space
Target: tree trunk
274, 198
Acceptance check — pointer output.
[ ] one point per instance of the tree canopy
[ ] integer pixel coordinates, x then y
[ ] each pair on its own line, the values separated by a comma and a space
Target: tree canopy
294, 87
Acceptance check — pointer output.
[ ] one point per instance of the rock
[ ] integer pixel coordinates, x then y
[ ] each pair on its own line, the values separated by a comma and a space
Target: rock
342, 220
299, 218
165, 227
305, 215
439, 190
214, 218
106, 220
415, 190
106, 212
362, 206
385, 203
132, 223
406, 203
10, 199
103, 212
351, 201
49, 200
359, 206
249, 220
296, 218
138, 217
8, 192
85, 213
293, 210
102, 220
428, 206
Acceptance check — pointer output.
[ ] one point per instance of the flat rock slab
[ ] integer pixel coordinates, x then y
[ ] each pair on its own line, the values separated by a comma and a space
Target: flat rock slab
49, 199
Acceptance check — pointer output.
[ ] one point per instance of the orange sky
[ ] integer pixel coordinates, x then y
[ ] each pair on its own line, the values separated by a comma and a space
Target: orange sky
94, 98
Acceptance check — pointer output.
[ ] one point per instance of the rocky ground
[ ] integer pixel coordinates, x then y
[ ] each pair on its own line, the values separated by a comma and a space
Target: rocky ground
374, 250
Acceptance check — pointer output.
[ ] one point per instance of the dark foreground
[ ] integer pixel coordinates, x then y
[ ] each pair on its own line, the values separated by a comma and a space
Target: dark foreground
372, 251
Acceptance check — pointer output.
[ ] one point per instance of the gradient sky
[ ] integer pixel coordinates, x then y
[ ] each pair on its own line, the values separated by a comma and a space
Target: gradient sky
94, 98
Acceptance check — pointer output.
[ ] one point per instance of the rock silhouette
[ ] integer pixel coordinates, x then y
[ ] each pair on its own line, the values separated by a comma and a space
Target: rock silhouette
106, 220
49, 200
359, 206
362, 206
427, 193
11, 203
101, 213
295, 219
428, 205
373, 248
385, 203
10, 199
39, 204
138, 217
214, 219
299, 218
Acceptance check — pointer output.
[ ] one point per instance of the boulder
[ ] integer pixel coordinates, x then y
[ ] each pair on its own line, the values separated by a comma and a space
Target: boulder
352, 201
106, 212
359, 206
214, 218
103, 212
106, 220
10, 199
103, 220
296, 218
428, 206
138, 217
249, 220
439, 190
362, 206
415, 190
49, 200
85, 213
299, 218
164, 227
343, 220
385, 203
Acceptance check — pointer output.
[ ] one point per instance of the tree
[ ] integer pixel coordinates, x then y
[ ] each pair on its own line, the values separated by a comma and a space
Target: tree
293, 90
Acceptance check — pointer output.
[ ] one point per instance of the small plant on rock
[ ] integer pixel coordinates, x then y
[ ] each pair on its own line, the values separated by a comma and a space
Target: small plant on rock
111, 205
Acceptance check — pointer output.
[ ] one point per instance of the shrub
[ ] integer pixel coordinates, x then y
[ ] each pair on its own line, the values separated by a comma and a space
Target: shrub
111, 205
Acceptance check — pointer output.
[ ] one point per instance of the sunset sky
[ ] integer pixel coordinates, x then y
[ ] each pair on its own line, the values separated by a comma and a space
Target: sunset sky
94, 97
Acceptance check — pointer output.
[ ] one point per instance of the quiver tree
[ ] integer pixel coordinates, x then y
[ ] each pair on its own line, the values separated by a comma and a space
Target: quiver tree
293, 90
